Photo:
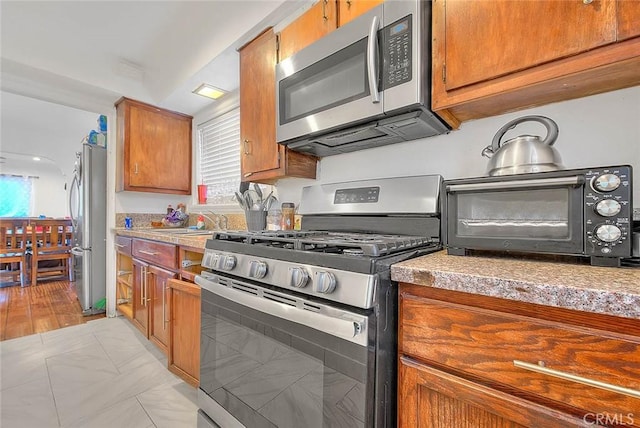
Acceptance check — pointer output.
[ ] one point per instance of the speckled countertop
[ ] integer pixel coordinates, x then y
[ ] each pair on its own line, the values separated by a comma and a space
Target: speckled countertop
196, 241
613, 291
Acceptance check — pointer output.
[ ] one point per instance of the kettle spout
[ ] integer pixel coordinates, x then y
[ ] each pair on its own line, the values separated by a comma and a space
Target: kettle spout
487, 152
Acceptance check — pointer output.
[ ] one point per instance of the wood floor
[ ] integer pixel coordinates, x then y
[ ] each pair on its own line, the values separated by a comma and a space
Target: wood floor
48, 306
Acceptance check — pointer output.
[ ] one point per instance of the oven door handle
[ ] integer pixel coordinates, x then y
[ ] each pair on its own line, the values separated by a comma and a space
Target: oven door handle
513, 184
351, 327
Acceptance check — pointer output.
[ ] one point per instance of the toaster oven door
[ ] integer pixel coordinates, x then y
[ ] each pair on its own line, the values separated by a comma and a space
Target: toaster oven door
541, 216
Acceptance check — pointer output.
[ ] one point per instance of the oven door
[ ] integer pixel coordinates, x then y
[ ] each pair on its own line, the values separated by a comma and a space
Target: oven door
332, 82
270, 359
529, 215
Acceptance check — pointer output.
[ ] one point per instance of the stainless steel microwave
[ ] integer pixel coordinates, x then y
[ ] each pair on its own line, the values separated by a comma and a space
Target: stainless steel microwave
366, 84
579, 212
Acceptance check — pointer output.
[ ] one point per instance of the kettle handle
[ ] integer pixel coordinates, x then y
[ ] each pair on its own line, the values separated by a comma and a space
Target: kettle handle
552, 130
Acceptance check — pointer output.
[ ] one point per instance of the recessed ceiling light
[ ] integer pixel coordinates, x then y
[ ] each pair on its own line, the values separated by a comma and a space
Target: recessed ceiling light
209, 91
36, 158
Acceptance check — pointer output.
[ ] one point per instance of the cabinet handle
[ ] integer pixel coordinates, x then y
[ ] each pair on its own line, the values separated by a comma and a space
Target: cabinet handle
144, 276
540, 368
120, 245
348, 4
135, 168
587, 1
149, 253
246, 147
325, 18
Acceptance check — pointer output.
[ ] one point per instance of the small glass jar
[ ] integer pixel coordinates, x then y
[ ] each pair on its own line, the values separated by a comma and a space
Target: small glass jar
274, 219
288, 215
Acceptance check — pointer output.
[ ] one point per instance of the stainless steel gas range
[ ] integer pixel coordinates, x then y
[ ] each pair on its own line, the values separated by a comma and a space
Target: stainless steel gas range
299, 327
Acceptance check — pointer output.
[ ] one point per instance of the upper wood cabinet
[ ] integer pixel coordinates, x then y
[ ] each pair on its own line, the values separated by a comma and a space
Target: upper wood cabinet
628, 19
351, 9
153, 148
490, 57
318, 21
262, 159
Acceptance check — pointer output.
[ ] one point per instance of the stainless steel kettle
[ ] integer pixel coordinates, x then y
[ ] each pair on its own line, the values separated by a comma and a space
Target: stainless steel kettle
525, 153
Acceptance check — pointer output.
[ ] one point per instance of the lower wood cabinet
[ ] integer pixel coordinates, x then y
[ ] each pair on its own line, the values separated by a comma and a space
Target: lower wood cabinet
496, 363
140, 291
151, 302
433, 398
159, 306
165, 305
184, 331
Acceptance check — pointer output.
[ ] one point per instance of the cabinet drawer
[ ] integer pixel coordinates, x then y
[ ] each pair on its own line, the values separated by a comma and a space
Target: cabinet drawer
156, 253
489, 345
123, 245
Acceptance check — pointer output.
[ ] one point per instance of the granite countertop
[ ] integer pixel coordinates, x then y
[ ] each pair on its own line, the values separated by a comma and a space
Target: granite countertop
196, 241
613, 291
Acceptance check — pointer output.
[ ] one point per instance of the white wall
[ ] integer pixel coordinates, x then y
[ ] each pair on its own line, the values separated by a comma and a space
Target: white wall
594, 131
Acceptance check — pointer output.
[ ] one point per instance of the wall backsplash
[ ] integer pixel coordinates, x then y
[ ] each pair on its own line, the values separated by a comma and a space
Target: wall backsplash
143, 220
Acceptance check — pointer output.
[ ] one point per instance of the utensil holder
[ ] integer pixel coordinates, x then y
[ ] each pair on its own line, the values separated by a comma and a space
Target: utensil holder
256, 219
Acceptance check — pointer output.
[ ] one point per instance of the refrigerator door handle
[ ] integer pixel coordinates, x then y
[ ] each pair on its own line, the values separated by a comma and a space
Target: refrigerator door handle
77, 251
74, 184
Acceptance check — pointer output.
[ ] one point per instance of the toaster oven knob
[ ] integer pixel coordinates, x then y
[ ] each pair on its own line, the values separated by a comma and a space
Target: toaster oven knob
257, 269
226, 262
608, 233
325, 282
298, 277
606, 182
608, 207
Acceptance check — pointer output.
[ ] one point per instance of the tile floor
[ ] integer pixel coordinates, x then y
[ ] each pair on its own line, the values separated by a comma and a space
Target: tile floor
100, 374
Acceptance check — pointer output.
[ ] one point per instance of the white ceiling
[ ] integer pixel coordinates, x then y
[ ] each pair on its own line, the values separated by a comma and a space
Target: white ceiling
153, 51
64, 62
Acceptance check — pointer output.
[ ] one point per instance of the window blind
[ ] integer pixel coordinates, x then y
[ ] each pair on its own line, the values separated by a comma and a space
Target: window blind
220, 157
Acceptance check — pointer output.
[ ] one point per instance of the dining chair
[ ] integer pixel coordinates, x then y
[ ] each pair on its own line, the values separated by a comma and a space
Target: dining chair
13, 247
51, 240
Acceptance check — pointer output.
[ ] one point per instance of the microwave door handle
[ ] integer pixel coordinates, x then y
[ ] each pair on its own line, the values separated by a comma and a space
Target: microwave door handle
498, 185
372, 60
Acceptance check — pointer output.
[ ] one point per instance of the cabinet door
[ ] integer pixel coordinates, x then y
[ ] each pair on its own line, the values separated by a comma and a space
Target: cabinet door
351, 9
628, 19
140, 299
318, 21
159, 306
156, 148
184, 341
430, 398
259, 150
487, 39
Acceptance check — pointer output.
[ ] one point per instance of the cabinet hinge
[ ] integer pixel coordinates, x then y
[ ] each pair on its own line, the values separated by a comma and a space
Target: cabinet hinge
277, 47
444, 73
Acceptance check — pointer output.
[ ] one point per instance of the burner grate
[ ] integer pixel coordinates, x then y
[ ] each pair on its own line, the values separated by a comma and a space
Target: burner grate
351, 244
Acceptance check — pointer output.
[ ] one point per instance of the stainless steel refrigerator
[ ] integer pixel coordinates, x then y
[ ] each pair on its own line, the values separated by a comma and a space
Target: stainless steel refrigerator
88, 206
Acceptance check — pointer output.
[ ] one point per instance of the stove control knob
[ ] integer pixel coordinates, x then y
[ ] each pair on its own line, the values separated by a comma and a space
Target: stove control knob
608, 207
325, 282
606, 182
608, 233
257, 269
226, 262
298, 277
210, 260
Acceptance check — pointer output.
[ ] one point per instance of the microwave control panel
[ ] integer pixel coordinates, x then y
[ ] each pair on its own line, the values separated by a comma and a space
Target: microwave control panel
396, 50
608, 222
